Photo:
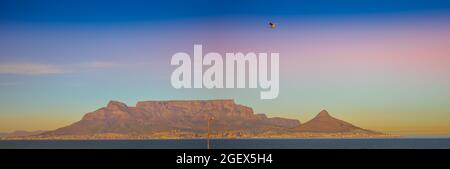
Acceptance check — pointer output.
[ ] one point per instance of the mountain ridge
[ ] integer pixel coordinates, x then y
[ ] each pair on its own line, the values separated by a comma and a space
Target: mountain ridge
188, 119
155, 116
324, 122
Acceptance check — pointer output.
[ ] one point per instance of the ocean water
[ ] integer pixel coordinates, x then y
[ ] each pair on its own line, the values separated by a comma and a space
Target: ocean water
391, 143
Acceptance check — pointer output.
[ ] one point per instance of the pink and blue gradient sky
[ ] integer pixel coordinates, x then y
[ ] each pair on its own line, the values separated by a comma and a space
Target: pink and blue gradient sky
386, 70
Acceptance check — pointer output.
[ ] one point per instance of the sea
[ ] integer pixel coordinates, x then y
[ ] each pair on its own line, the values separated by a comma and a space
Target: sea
316, 143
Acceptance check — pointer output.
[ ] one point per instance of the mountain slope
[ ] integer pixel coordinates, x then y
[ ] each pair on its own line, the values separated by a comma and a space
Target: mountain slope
324, 122
189, 119
157, 116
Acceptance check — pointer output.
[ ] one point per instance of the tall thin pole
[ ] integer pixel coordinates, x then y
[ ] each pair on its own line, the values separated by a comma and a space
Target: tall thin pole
209, 132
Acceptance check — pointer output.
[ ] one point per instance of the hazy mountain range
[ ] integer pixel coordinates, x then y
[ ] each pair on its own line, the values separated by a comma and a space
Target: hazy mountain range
21, 133
189, 118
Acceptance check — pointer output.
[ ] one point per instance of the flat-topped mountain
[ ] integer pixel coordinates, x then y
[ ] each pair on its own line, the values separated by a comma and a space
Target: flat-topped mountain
189, 119
182, 116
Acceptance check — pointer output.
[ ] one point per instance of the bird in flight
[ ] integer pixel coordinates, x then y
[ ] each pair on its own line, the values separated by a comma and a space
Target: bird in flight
272, 25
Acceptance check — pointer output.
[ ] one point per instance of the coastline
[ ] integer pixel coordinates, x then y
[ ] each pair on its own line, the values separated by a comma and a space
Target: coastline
143, 137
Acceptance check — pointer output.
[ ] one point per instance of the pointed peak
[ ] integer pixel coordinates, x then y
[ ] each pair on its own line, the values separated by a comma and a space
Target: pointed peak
323, 113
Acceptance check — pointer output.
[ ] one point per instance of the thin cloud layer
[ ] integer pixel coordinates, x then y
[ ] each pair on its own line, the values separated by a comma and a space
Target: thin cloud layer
30, 69
48, 69
101, 65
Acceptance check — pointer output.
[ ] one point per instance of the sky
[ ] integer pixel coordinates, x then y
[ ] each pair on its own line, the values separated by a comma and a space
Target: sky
382, 65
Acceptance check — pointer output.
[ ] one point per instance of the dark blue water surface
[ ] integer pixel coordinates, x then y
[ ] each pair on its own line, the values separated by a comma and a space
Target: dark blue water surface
400, 143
